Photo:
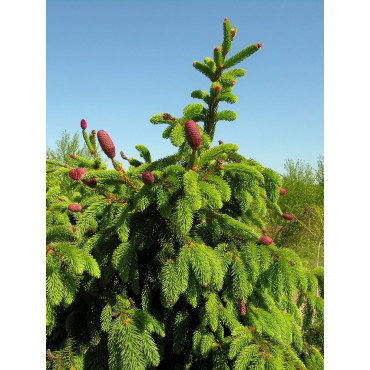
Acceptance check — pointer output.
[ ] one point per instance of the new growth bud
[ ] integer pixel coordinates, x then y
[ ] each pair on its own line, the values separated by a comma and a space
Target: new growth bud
287, 217
106, 144
83, 124
259, 46
266, 240
74, 207
192, 134
148, 178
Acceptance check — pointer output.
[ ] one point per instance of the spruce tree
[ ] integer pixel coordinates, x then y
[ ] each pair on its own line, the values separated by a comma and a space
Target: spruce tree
165, 265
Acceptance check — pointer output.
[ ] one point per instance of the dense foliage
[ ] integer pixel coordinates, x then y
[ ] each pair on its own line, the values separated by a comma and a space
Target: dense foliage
165, 265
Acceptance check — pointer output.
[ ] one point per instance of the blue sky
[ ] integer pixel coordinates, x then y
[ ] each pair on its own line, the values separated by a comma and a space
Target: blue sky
116, 63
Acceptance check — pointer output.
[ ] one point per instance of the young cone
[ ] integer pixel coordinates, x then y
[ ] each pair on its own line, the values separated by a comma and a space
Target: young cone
83, 124
148, 178
282, 191
76, 174
243, 310
192, 134
287, 217
106, 144
266, 240
74, 207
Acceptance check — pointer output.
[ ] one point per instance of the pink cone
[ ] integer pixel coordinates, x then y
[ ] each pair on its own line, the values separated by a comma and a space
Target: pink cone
287, 217
192, 134
148, 178
266, 240
74, 207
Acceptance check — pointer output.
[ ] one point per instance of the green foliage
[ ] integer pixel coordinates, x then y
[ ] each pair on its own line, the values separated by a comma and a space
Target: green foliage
174, 274
241, 55
144, 153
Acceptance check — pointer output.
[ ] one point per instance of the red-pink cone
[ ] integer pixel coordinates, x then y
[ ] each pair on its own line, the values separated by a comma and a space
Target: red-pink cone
106, 144
89, 182
243, 310
217, 89
217, 48
264, 231
282, 191
192, 134
251, 328
266, 240
83, 124
205, 285
287, 217
76, 174
72, 156
226, 20
74, 207
148, 178
259, 46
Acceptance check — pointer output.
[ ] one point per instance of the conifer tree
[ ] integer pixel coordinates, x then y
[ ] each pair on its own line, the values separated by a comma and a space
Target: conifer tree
166, 265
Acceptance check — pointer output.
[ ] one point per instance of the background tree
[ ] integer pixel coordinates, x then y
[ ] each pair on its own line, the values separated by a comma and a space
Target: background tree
304, 199
165, 265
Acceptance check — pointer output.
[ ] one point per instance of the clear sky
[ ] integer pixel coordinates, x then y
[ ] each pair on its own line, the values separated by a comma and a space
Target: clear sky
116, 63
